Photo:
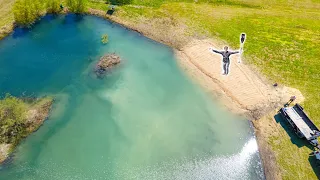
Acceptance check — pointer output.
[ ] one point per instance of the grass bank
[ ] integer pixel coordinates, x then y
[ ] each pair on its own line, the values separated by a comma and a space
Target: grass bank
19, 117
6, 17
282, 44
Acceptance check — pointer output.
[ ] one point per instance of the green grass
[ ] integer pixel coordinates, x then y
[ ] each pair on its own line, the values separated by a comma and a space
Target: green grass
6, 15
98, 5
292, 153
15, 123
283, 43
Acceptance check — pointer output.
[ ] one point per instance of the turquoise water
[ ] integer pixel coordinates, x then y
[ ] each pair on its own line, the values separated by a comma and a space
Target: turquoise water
144, 120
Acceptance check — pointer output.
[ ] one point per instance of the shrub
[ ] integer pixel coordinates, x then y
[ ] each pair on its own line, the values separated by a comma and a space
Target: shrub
53, 6
13, 115
26, 12
76, 6
119, 2
104, 38
37, 6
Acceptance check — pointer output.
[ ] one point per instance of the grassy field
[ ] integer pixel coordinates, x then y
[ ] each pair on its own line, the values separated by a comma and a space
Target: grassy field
283, 44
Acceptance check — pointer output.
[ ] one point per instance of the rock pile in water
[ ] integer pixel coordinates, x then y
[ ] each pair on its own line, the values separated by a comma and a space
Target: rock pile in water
106, 62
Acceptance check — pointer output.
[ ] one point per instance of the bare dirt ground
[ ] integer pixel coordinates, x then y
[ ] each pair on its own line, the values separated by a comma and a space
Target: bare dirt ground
264, 128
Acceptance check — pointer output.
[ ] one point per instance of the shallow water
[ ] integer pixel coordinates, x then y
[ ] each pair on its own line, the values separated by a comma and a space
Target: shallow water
144, 120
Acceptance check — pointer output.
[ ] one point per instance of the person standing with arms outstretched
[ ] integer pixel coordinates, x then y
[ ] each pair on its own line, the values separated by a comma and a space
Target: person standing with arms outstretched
226, 61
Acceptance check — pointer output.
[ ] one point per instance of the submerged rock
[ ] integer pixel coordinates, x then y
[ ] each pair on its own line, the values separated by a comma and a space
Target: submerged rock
106, 62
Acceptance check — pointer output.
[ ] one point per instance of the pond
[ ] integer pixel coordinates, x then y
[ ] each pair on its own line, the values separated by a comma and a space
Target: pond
144, 120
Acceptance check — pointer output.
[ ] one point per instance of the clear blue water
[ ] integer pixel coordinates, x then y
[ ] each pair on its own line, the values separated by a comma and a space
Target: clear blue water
144, 120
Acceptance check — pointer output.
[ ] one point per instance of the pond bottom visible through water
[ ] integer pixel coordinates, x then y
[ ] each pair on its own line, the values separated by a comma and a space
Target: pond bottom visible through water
144, 120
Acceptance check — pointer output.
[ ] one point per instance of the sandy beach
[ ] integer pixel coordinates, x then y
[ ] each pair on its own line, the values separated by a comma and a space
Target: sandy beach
243, 91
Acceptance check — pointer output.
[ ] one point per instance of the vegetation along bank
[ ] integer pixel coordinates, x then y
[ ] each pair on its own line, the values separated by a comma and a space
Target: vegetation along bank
282, 45
19, 117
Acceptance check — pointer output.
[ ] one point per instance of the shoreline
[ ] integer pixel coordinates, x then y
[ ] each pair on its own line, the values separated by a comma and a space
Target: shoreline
6, 30
258, 106
37, 112
195, 60
261, 100
213, 86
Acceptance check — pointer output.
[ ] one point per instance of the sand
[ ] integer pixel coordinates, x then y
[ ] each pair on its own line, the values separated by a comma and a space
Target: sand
243, 91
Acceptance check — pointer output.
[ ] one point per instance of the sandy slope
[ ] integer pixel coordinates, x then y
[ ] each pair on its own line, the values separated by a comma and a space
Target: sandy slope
242, 91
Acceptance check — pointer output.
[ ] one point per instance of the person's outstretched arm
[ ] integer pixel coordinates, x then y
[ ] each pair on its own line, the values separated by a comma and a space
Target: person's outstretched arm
234, 52
215, 51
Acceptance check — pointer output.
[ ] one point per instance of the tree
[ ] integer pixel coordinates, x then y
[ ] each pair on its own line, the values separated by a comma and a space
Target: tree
52, 6
37, 7
26, 12
76, 6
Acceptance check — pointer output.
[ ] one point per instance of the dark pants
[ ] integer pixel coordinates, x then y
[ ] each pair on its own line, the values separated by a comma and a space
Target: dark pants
226, 66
